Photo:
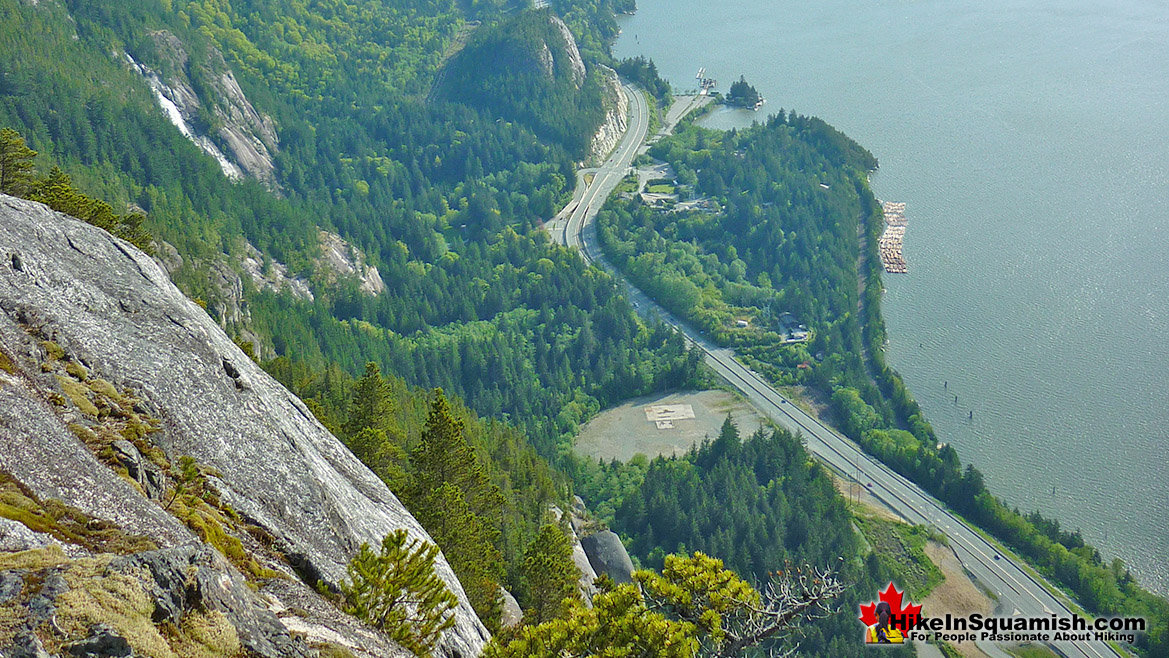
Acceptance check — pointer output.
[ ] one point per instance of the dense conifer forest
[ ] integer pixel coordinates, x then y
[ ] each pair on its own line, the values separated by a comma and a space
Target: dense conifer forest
433, 138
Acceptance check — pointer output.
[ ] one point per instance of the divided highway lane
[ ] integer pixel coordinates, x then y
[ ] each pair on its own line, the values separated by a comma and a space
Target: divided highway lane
605, 178
1018, 593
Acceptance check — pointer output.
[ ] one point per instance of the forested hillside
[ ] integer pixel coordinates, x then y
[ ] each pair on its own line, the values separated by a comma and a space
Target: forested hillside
442, 198
527, 68
775, 234
762, 505
260, 141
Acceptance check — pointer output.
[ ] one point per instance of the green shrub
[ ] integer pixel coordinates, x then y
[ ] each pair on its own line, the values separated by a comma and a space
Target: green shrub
397, 592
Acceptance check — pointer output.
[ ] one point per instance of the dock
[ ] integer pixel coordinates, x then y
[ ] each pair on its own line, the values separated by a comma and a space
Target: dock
893, 238
705, 84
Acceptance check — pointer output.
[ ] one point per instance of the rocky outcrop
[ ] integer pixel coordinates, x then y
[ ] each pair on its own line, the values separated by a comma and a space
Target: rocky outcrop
608, 556
271, 274
103, 642
340, 260
512, 614
570, 51
616, 118
73, 292
579, 559
244, 140
596, 550
187, 578
227, 277
151, 603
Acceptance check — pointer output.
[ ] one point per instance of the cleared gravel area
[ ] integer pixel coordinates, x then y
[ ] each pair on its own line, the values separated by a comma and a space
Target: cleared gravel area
625, 430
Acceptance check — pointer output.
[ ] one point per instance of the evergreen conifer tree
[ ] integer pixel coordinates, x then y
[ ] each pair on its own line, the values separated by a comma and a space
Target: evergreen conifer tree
550, 575
16, 166
396, 591
451, 495
370, 430
444, 456
371, 404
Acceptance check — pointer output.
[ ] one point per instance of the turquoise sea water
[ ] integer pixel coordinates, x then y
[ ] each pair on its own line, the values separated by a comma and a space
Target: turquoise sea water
1031, 143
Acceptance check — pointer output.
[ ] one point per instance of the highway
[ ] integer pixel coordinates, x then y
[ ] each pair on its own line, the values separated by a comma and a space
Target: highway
1018, 592
567, 226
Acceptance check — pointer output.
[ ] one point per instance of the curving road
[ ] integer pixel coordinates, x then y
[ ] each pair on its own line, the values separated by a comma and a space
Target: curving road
566, 227
1018, 592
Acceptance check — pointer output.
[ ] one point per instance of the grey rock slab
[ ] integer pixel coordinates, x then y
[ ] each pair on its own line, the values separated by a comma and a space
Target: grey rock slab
103, 642
139, 469
608, 555
11, 585
186, 578
279, 466
26, 645
16, 537
512, 614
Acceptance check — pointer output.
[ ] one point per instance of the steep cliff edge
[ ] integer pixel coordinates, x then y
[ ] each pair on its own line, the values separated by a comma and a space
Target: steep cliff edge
610, 132
223, 122
93, 332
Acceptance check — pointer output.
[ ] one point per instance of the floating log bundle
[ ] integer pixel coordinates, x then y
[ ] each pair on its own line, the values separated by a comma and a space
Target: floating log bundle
893, 238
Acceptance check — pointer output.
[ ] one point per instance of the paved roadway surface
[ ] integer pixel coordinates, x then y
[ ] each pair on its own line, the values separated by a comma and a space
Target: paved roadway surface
588, 199
1018, 593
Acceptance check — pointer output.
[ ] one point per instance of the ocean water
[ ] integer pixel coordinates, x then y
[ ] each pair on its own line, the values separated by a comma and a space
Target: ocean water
1030, 141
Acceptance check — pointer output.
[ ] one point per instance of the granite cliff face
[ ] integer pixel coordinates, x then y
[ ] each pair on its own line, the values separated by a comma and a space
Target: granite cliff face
609, 133
570, 51
243, 140
95, 341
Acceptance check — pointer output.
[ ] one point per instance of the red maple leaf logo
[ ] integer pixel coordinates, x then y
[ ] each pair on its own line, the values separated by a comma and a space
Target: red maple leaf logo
902, 618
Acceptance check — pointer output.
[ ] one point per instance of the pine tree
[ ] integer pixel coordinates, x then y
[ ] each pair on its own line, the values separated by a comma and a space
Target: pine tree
57, 192
371, 404
550, 575
467, 543
383, 456
132, 228
369, 431
16, 166
451, 495
694, 609
396, 591
443, 456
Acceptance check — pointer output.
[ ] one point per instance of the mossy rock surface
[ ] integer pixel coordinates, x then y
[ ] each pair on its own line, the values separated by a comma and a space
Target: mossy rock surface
65, 523
78, 394
178, 603
77, 371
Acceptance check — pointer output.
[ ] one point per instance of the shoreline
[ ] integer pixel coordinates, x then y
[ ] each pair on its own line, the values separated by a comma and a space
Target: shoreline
895, 242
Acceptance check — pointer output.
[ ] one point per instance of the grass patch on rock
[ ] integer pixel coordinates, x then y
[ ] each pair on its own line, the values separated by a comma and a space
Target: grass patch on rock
65, 523
97, 594
78, 394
